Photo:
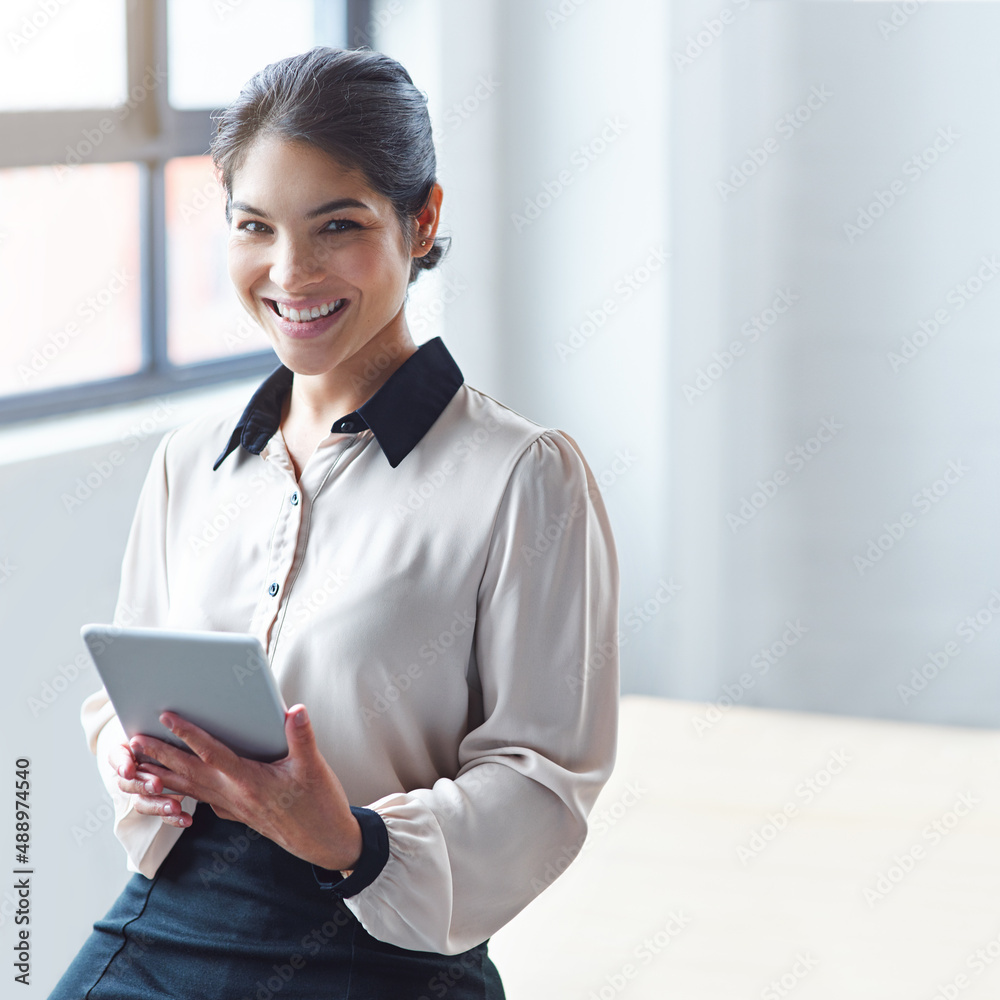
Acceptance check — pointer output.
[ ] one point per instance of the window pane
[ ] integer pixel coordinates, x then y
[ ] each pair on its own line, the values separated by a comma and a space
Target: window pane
62, 55
204, 316
216, 47
69, 275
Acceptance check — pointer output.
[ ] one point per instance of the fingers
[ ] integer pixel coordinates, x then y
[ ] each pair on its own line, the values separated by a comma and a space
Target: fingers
121, 758
167, 807
135, 779
210, 750
141, 784
299, 732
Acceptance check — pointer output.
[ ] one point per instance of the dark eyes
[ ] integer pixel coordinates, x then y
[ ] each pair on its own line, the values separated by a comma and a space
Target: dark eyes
334, 226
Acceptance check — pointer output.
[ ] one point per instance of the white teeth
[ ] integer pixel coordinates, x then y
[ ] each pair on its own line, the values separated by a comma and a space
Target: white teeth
308, 315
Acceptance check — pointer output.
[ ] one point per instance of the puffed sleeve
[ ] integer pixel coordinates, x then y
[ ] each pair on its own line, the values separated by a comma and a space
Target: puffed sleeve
469, 853
142, 600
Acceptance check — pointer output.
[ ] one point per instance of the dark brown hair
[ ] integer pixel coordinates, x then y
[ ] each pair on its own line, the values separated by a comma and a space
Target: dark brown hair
356, 105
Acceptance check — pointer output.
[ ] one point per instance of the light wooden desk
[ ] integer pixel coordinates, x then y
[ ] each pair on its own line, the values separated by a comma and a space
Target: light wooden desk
874, 873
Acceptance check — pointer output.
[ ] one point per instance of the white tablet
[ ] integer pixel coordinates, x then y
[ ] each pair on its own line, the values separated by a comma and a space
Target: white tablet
220, 681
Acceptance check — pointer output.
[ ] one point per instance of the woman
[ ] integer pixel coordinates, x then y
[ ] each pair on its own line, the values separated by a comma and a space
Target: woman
433, 577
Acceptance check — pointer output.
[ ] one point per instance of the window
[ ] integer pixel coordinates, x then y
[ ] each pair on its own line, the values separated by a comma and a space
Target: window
112, 232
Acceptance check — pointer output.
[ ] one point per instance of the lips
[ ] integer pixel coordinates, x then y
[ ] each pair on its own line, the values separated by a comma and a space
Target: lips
306, 313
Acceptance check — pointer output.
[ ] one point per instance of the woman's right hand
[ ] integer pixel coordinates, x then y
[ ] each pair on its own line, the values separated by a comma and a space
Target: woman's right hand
148, 787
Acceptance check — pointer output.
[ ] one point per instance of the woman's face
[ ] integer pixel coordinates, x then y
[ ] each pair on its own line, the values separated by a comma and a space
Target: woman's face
311, 239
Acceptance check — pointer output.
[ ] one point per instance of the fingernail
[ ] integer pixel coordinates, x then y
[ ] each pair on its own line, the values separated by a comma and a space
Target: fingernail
300, 719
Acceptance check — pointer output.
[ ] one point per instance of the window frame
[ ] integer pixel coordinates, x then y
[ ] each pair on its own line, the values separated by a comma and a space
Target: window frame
151, 134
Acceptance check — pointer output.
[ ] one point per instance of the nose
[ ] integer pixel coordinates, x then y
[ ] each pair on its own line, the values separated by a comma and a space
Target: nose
296, 264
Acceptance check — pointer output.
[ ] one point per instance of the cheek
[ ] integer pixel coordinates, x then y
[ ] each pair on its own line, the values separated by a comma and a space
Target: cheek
381, 266
244, 266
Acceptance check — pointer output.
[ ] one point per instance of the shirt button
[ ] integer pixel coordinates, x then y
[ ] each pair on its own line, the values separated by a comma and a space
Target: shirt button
273, 589
294, 498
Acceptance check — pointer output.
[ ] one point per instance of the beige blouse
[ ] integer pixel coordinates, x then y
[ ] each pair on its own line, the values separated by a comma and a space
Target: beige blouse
440, 589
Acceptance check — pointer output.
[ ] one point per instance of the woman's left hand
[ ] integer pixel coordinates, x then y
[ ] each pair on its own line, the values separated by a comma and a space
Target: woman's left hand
298, 801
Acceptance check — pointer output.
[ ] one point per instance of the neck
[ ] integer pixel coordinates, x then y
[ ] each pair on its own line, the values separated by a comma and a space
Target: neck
319, 400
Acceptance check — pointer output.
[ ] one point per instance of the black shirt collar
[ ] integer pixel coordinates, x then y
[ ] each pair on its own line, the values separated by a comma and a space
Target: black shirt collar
399, 413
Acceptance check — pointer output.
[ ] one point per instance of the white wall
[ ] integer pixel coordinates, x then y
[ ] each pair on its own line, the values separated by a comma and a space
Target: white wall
857, 296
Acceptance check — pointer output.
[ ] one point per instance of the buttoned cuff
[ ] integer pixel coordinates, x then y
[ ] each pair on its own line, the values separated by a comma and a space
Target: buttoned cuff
374, 855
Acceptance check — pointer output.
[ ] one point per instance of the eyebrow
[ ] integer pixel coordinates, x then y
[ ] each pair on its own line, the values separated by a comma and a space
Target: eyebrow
330, 206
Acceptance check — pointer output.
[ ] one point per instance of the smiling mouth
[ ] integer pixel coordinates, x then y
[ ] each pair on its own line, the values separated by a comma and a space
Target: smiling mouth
306, 315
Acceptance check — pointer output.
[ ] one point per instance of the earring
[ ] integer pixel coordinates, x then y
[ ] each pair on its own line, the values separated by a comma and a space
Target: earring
423, 243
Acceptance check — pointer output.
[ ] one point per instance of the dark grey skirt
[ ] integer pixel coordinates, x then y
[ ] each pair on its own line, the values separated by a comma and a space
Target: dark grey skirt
235, 917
